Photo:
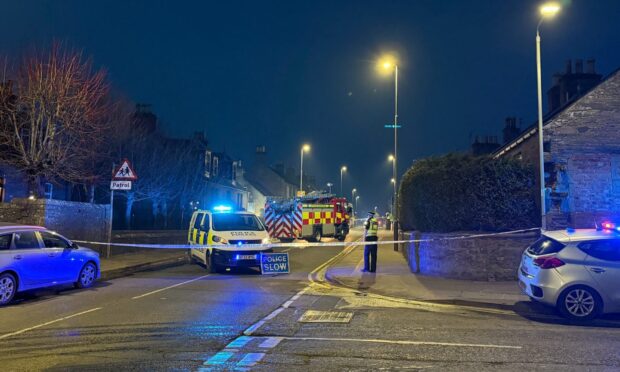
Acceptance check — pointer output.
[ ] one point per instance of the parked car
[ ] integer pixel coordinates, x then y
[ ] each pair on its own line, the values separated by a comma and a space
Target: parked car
33, 257
577, 271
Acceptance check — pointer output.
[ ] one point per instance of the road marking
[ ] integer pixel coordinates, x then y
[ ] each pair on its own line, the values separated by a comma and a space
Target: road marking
404, 342
239, 342
254, 327
169, 287
48, 323
219, 358
270, 342
250, 359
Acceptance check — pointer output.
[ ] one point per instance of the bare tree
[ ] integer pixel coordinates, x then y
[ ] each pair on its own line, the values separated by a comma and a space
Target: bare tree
54, 117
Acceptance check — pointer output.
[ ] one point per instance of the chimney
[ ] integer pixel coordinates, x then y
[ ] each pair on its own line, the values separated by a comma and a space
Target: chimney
261, 155
590, 66
569, 67
579, 66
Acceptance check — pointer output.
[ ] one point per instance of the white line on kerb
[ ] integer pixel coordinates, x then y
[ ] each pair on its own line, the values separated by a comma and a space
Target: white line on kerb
48, 323
166, 288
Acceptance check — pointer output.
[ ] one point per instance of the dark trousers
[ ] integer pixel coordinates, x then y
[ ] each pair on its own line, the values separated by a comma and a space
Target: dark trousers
370, 254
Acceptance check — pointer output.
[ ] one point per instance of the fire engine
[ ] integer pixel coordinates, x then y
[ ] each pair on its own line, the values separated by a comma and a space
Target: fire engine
309, 217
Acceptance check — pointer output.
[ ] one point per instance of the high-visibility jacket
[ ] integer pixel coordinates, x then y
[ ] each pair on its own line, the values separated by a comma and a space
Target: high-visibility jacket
371, 226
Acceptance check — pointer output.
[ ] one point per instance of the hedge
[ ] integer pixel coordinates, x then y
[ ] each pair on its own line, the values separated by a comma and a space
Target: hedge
459, 192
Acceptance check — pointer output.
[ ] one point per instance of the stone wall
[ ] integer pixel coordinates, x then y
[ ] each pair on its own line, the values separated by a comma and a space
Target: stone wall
490, 258
80, 221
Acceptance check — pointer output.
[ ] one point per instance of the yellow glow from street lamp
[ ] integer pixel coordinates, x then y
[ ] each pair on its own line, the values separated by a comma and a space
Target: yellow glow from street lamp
391, 157
550, 9
344, 168
393, 180
305, 148
386, 64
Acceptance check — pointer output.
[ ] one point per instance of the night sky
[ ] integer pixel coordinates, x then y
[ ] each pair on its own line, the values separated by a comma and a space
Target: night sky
282, 73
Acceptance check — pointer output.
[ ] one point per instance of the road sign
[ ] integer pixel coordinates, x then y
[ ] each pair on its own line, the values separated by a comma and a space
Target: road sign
392, 126
120, 185
274, 263
125, 172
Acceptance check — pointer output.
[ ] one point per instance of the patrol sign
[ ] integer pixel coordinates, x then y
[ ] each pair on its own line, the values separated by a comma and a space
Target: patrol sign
274, 263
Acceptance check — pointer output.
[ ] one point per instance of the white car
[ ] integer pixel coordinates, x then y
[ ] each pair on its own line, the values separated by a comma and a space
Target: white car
232, 232
33, 257
577, 271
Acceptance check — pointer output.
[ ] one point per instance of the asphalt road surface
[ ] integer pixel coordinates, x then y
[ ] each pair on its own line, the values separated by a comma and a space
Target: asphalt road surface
183, 319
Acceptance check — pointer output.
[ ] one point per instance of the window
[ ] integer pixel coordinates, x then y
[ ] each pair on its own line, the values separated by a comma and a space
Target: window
51, 240
207, 163
236, 222
608, 250
5, 242
206, 225
26, 240
216, 164
545, 245
198, 220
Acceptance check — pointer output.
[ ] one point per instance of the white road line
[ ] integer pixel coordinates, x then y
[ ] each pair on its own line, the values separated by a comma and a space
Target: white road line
48, 323
219, 358
166, 288
397, 342
239, 342
250, 359
254, 327
270, 342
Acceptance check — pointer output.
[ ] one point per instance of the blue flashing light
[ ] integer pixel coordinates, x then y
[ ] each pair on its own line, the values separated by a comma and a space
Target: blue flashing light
570, 230
236, 257
222, 208
239, 244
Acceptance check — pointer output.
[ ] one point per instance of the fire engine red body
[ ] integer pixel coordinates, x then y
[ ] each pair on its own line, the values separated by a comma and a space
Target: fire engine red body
309, 218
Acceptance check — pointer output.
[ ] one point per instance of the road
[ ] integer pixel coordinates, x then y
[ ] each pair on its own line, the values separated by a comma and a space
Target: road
182, 319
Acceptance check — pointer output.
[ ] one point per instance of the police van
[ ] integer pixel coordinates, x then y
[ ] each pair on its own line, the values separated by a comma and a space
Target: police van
230, 231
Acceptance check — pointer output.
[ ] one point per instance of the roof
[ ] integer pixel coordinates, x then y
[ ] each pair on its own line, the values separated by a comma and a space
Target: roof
5, 226
533, 129
578, 235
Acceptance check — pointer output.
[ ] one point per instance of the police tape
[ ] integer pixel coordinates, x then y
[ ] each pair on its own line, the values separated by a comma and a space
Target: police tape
266, 246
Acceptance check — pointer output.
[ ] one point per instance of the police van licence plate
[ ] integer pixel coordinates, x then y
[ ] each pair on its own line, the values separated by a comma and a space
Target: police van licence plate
247, 257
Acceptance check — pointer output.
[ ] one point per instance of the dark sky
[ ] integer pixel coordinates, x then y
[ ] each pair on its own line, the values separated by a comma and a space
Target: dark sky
281, 73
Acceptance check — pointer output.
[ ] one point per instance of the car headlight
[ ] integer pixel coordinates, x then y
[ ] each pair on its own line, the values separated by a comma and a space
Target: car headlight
220, 240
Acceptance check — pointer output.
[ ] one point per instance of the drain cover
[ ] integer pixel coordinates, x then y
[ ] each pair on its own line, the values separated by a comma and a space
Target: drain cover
315, 316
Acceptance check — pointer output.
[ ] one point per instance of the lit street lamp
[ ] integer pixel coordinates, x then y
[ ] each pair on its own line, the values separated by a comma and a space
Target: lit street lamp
353, 196
342, 170
548, 10
389, 64
356, 199
329, 185
304, 148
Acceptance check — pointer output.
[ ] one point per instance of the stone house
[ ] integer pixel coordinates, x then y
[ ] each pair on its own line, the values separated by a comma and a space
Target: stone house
581, 152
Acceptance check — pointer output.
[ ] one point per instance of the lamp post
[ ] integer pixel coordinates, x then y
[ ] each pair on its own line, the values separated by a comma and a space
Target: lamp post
353, 197
356, 199
389, 64
393, 182
329, 185
547, 10
342, 170
304, 148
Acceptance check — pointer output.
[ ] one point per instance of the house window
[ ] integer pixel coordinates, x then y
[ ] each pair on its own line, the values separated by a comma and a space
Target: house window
207, 163
216, 164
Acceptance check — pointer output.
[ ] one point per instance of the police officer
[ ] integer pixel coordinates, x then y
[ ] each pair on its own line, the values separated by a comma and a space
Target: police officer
371, 227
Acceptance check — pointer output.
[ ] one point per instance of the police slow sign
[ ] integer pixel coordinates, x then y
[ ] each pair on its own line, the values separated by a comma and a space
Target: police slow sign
274, 263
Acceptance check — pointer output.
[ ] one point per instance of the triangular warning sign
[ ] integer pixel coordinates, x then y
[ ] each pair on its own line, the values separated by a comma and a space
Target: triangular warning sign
125, 172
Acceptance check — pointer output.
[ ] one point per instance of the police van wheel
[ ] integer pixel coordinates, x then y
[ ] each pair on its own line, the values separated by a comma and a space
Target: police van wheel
211, 265
318, 234
341, 238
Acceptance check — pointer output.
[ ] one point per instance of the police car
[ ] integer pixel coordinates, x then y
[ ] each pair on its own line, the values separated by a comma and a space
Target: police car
229, 231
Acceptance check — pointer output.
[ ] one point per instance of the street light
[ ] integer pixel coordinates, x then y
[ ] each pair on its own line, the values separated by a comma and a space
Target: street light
548, 10
353, 196
329, 185
342, 170
304, 148
389, 64
356, 199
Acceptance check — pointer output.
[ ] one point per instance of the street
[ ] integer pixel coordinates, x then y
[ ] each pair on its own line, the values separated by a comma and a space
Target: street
182, 318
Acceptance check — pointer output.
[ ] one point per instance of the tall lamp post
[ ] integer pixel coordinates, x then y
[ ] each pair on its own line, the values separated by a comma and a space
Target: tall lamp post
393, 182
547, 10
356, 199
389, 64
342, 170
304, 148
329, 185
353, 198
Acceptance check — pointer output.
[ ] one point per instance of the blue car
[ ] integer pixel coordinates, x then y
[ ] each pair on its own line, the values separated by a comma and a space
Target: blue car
33, 257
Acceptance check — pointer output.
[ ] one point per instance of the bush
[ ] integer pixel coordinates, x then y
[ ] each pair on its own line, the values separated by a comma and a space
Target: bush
461, 192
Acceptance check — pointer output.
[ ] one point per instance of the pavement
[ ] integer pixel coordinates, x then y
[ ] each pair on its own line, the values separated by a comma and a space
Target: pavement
182, 318
394, 278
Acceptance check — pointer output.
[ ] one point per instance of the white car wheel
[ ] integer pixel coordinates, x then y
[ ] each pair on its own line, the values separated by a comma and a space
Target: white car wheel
580, 303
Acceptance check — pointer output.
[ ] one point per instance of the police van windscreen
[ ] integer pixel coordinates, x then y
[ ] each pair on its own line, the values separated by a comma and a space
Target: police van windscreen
236, 222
